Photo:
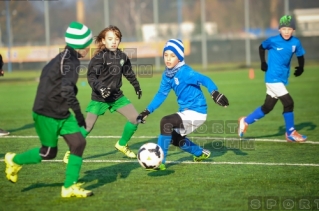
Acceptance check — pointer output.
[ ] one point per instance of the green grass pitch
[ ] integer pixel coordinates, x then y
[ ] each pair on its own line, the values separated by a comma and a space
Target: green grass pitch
239, 175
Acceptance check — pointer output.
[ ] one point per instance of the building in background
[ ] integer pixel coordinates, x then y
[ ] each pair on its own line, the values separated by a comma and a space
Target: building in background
307, 21
168, 30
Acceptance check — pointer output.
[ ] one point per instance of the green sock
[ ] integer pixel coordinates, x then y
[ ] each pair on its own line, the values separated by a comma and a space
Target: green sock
129, 130
31, 156
84, 132
72, 170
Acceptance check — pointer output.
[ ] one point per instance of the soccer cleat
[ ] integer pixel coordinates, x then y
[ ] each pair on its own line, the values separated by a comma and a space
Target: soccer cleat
3, 132
75, 191
125, 150
12, 169
203, 156
66, 157
242, 126
296, 137
161, 167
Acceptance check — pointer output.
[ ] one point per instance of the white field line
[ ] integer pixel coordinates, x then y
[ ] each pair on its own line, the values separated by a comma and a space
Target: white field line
192, 138
197, 163
188, 162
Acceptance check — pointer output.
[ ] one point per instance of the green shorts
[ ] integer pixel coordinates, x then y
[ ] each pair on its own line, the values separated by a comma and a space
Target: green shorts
99, 108
49, 129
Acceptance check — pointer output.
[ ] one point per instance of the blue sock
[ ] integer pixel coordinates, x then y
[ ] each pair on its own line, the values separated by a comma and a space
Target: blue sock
256, 115
164, 141
289, 121
191, 148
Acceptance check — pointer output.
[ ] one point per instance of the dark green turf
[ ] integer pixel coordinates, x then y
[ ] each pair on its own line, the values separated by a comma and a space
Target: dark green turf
232, 176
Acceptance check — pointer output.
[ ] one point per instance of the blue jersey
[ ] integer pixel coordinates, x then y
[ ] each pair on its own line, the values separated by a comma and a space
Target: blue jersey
186, 85
280, 52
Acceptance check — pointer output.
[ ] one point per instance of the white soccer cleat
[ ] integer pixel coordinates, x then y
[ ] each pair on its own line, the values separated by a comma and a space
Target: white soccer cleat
242, 126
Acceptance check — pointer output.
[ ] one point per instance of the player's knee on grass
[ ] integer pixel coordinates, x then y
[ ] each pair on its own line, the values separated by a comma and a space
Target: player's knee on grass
48, 153
177, 139
76, 143
287, 103
269, 104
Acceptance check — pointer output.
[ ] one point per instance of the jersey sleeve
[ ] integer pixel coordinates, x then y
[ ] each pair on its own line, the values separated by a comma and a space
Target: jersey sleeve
160, 96
94, 70
199, 79
266, 44
129, 73
299, 49
1, 62
69, 79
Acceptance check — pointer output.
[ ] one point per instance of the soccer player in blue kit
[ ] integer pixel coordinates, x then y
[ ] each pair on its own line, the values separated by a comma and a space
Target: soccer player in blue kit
192, 104
280, 51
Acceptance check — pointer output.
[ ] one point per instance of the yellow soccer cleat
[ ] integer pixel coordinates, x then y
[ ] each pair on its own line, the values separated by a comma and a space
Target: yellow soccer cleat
12, 168
125, 150
75, 191
205, 154
66, 157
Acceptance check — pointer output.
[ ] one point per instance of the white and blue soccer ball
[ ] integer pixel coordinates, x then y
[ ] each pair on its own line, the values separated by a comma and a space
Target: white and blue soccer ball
150, 155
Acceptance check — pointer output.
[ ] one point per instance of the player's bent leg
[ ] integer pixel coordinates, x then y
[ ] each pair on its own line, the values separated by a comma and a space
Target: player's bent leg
75, 191
288, 106
257, 114
48, 153
130, 113
166, 126
12, 168
90, 121
71, 188
185, 144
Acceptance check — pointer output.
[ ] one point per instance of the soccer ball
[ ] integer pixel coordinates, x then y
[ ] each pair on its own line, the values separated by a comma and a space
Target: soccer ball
150, 155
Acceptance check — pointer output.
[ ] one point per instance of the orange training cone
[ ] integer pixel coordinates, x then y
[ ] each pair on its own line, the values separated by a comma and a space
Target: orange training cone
251, 73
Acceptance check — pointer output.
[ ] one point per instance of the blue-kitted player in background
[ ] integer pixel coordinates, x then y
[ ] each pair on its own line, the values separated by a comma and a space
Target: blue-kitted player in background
280, 51
192, 104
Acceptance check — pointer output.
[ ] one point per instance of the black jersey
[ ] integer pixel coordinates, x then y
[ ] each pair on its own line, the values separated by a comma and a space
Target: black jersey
57, 90
105, 70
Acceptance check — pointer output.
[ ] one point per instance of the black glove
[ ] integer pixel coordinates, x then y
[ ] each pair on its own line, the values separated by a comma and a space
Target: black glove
80, 118
264, 66
142, 116
220, 99
298, 71
105, 92
138, 92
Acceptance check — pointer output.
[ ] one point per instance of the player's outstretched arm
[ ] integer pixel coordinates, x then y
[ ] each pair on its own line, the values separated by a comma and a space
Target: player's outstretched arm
197, 78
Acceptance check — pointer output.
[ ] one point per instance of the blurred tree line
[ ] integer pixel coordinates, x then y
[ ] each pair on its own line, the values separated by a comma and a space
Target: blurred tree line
27, 17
